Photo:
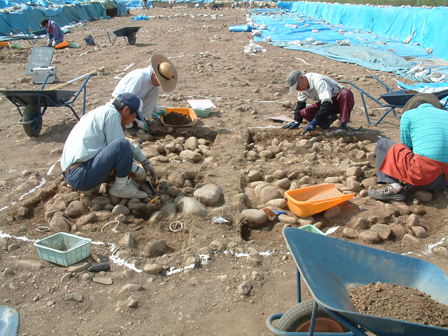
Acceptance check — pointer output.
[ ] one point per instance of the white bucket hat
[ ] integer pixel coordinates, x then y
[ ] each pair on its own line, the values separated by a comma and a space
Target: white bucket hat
165, 72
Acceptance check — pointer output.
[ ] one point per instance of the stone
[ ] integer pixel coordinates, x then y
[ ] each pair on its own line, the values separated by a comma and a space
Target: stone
350, 233
153, 268
59, 224
157, 248
277, 203
383, 230
370, 236
354, 171
419, 231
121, 209
102, 200
332, 212
168, 210
131, 303
217, 246
128, 241
361, 224
175, 179
410, 240
209, 194
269, 193
76, 209
89, 218
22, 211
253, 175
255, 217
191, 143
29, 264
130, 288
352, 185
244, 288
189, 155
257, 276
369, 182
78, 297
423, 196
283, 183
280, 174
398, 230
334, 179
103, 281
243, 199
287, 219
13, 247
413, 220
191, 206
78, 267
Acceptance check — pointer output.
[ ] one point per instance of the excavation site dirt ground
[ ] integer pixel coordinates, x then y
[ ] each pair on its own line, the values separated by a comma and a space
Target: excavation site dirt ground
174, 272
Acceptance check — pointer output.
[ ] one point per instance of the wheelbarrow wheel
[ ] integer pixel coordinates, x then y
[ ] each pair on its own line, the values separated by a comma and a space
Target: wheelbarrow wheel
30, 112
298, 319
132, 39
422, 98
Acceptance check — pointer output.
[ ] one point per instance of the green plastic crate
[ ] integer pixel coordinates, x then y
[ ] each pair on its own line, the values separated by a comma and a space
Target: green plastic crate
202, 113
63, 248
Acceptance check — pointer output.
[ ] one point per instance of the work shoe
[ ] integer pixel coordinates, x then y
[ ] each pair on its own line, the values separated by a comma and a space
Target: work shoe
331, 118
342, 129
388, 194
129, 190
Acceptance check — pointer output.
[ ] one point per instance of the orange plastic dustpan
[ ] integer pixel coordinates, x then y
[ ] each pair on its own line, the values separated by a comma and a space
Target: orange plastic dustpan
305, 202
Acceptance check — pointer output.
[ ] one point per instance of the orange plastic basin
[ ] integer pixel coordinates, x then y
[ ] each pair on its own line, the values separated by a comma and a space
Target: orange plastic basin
305, 202
62, 45
181, 110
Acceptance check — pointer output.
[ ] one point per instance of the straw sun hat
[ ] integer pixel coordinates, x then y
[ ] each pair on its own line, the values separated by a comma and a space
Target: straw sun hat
165, 71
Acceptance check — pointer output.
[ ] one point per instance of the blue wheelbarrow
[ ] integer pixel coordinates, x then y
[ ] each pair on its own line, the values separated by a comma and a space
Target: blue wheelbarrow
329, 265
128, 33
395, 99
9, 321
36, 102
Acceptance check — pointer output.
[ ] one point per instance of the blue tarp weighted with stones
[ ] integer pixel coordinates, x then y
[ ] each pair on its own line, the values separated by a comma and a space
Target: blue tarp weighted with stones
373, 36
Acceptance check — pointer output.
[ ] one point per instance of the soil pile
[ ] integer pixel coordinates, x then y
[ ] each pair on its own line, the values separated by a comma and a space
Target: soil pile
399, 303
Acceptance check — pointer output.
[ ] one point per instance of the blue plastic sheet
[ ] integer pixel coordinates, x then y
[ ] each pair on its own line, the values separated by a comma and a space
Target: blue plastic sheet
240, 28
140, 17
369, 36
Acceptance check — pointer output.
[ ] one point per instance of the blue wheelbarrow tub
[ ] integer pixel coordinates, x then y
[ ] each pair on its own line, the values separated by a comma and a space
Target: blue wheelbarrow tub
9, 321
329, 265
51, 98
400, 98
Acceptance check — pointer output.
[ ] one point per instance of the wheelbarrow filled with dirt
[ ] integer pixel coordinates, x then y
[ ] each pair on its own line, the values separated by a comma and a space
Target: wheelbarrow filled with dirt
330, 267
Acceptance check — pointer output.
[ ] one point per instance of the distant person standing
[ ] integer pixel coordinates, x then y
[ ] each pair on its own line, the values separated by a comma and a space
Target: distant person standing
54, 32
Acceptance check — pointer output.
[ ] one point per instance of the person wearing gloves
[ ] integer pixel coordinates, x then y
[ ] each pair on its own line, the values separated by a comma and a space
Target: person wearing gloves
146, 83
332, 99
96, 148
420, 161
54, 32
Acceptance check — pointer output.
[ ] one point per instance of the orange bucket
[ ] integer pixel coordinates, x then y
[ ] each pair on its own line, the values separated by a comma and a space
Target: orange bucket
62, 45
4, 44
305, 202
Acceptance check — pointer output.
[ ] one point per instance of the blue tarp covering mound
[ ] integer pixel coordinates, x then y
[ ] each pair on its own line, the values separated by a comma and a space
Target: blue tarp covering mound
30, 17
372, 37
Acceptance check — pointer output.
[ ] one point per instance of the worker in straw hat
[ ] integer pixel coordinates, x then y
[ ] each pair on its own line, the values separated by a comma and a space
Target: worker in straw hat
146, 83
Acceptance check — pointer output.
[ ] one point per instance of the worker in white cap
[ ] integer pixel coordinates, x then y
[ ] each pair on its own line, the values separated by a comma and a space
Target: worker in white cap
96, 148
146, 83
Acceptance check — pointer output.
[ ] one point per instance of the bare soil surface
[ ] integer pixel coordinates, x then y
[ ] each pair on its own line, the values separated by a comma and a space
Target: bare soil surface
235, 288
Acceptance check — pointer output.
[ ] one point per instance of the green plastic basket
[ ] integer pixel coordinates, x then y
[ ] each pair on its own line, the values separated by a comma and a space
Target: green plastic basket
63, 248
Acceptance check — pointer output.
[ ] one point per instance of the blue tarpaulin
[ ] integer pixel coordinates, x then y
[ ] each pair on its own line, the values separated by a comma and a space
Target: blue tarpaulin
370, 36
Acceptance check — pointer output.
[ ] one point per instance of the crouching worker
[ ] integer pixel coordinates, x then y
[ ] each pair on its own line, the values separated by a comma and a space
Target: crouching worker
96, 147
332, 99
54, 32
420, 160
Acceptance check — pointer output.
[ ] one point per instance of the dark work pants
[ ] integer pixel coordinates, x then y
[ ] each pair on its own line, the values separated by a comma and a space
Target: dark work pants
116, 156
342, 104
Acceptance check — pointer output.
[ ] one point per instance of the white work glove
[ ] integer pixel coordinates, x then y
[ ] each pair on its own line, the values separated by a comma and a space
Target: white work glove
53, 44
48, 43
141, 124
139, 174
149, 169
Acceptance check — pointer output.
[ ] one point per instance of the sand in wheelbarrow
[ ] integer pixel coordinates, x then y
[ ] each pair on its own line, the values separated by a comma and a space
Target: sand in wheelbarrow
399, 303
175, 118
